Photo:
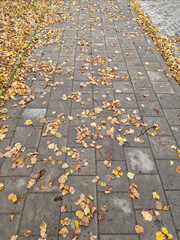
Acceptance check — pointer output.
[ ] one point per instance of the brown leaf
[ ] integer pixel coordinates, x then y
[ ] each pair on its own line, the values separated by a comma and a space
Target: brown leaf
178, 169
27, 233
19, 198
166, 208
156, 111
63, 209
58, 198
159, 205
100, 217
84, 221
103, 208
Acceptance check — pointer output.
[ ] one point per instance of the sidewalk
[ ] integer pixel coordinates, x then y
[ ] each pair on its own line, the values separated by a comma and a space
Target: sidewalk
104, 130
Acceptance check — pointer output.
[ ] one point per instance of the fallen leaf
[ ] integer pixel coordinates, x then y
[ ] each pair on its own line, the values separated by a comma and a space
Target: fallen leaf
139, 229
63, 209
80, 214
130, 175
178, 169
156, 111
155, 195
28, 122
146, 215
1, 186
14, 237
159, 205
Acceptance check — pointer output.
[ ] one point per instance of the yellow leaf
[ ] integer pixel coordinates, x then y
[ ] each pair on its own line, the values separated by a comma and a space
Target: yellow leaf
9, 53
155, 195
41, 187
28, 122
80, 214
160, 236
3, 110
64, 149
51, 146
43, 225
1, 186
86, 211
58, 134
12, 197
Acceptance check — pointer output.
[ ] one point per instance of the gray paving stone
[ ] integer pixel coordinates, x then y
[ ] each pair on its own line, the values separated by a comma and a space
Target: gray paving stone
21, 135
117, 184
169, 177
4, 144
7, 164
84, 103
40, 101
162, 123
147, 108
140, 160
8, 227
163, 151
58, 92
169, 100
179, 234
109, 145
89, 153
126, 100
176, 131
58, 107
143, 94
162, 87
41, 207
117, 237
15, 185
109, 95
12, 124
45, 152
39, 86
82, 184
36, 237
73, 135
146, 185
14, 109
173, 116
85, 231
78, 88
131, 137
157, 76
34, 114
141, 82
53, 172
150, 227
125, 220
125, 87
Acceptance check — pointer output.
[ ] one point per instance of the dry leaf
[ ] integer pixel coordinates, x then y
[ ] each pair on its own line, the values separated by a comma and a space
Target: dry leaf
139, 229
146, 215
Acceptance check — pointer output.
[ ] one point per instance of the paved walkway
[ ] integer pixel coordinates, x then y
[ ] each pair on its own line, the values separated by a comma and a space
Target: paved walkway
165, 14
109, 113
